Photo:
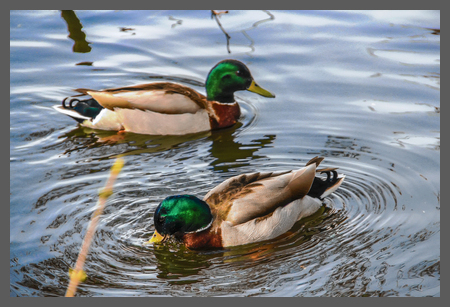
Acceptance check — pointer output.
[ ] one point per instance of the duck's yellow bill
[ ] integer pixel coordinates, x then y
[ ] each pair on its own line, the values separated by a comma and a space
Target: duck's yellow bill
156, 238
255, 88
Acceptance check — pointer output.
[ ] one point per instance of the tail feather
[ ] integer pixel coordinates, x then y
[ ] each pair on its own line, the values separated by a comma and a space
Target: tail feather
326, 169
324, 187
302, 181
80, 110
333, 187
315, 160
72, 113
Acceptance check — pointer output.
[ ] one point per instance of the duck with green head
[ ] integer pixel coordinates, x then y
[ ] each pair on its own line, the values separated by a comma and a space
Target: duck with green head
166, 108
245, 209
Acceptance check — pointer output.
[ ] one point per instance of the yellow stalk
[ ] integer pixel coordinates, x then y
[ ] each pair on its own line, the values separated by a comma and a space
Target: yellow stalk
77, 274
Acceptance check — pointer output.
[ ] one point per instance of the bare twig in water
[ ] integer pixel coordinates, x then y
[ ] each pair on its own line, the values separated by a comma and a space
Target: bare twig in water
218, 13
77, 275
215, 15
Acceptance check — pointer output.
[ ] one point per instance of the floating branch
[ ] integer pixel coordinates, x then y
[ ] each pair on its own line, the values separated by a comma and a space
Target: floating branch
215, 15
77, 274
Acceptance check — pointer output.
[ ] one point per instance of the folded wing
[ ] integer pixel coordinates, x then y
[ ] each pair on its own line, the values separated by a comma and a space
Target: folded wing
160, 97
246, 197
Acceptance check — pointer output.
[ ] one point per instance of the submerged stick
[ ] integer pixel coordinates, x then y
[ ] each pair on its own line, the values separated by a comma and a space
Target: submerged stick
77, 275
215, 14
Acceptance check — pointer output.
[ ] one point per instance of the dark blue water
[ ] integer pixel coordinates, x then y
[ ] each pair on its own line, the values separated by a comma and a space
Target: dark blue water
361, 88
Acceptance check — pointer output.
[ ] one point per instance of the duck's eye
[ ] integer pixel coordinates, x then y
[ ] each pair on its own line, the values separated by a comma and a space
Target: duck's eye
239, 73
161, 219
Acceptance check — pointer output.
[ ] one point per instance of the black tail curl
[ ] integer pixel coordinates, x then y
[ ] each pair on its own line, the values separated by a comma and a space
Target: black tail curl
320, 185
71, 101
86, 107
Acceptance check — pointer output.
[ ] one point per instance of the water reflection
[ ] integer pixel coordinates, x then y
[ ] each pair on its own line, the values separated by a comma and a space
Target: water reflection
134, 144
42, 279
178, 22
74, 27
229, 154
435, 31
379, 233
343, 147
176, 264
216, 16
226, 151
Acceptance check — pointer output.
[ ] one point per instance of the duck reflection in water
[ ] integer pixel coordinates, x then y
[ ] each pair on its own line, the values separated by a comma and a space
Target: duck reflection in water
226, 151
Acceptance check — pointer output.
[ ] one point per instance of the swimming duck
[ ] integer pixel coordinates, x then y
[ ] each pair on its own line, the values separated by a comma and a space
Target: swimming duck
245, 209
165, 108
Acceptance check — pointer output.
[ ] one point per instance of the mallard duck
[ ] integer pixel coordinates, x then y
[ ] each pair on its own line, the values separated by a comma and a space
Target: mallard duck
245, 209
165, 108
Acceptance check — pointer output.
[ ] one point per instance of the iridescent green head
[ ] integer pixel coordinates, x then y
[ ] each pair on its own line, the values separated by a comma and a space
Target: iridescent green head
177, 215
229, 76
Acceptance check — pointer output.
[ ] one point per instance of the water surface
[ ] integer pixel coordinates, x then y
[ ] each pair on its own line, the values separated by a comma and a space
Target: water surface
361, 89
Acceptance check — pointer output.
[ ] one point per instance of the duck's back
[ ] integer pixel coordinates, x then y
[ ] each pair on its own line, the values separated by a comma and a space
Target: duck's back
160, 97
251, 196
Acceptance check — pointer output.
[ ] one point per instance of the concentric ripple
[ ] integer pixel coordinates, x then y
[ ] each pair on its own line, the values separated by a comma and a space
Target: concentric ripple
368, 100
350, 223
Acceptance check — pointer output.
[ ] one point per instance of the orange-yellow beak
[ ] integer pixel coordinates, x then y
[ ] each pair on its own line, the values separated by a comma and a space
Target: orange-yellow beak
255, 88
156, 238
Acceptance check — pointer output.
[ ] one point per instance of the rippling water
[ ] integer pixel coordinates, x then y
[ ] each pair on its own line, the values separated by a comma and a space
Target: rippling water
359, 88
